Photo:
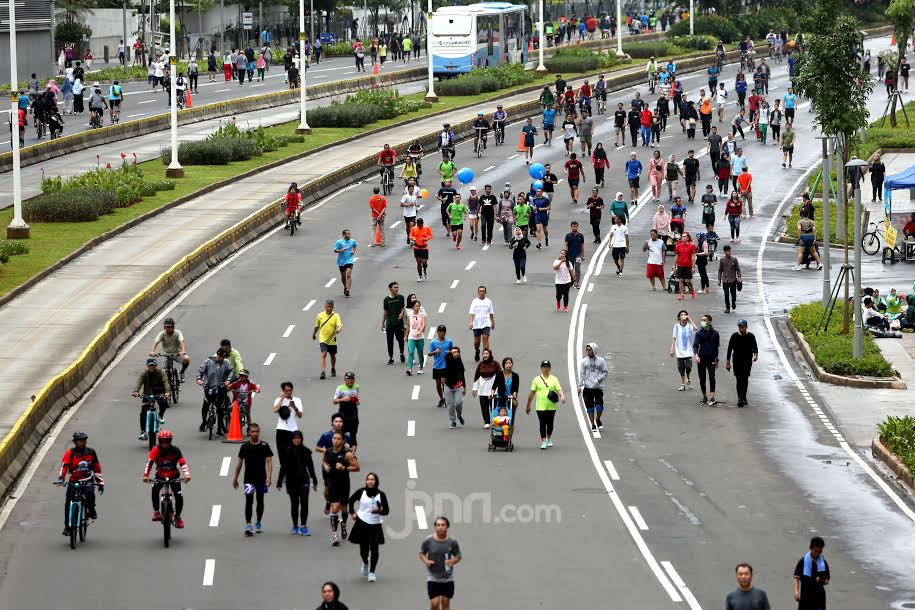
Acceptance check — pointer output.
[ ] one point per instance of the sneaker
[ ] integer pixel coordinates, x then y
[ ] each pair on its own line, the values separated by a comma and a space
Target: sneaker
452, 426
221, 434
409, 373
692, 294
143, 436
258, 528
248, 531
441, 403
333, 372
372, 577
390, 361
335, 541
558, 306
486, 426
461, 419
543, 445
524, 278
402, 359
323, 376
593, 428
796, 268
304, 531
161, 421
682, 388
517, 281
203, 426
703, 400
819, 267
727, 311
295, 530
565, 310
600, 425
365, 569
419, 279
66, 531
157, 516
549, 442
179, 523
476, 356
181, 377
712, 402
343, 529
689, 385
419, 372
680, 298
547, 241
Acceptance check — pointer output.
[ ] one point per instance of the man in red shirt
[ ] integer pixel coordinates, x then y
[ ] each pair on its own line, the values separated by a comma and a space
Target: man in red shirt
386, 159
167, 459
379, 206
83, 466
686, 261
575, 172
745, 188
909, 228
645, 118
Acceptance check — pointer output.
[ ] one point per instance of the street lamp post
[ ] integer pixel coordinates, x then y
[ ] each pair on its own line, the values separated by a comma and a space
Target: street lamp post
858, 340
303, 127
692, 8
430, 95
540, 67
174, 169
222, 27
17, 229
311, 21
826, 171
619, 28
124, 28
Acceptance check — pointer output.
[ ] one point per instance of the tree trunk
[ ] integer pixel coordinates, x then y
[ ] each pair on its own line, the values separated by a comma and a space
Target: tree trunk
901, 47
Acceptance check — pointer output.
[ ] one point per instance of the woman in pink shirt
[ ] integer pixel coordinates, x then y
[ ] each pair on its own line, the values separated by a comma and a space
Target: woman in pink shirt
656, 174
261, 66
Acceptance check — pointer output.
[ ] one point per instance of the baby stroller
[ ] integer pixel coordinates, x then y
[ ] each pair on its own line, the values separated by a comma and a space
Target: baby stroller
673, 281
676, 230
55, 125
500, 436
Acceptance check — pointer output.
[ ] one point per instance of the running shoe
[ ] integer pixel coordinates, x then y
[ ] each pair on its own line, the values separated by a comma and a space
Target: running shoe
304, 531
543, 445
409, 373
295, 530
452, 426
524, 278
692, 294
558, 306
258, 528
323, 376
402, 358
682, 388
179, 523
248, 531
712, 402
549, 442
565, 310
441, 403
703, 400
461, 419
372, 577
335, 541
333, 372
600, 425
143, 436
343, 529
390, 361
419, 372
365, 569
486, 426
593, 428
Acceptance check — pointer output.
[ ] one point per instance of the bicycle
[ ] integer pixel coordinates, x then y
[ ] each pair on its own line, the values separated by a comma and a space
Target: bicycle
212, 398
601, 105
77, 513
479, 142
870, 241
116, 115
174, 380
387, 180
499, 128
777, 54
95, 118
292, 221
746, 62
166, 508
652, 82
151, 426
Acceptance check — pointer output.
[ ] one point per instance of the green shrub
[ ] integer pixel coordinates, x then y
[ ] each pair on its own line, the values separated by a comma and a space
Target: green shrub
757, 24
468, 84
337, 49
644, 50
508, 75
833, 350
297, 139
899, 435
163, 185
343, 115
78, 205
721, 28
149, 190
388, 101
126, 182
695, 43
12, 247
571, 64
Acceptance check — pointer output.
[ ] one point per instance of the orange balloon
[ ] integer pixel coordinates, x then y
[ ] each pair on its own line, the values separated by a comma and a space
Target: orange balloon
423, 194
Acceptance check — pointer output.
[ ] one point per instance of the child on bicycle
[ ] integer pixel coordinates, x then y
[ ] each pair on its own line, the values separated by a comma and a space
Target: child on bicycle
293, 203
167, 458
242, 390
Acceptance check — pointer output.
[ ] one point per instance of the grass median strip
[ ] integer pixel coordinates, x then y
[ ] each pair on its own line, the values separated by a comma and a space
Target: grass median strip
899, 435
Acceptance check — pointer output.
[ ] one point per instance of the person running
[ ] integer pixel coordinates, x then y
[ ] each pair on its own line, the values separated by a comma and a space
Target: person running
338, 462
82, 464
345, 249
446, 196
420, 235
742, 353
530, 134
787, 143
455, 386
439, 347
367, 506
473, 213
633, 171
256, 457
595, 206
541, 206
685, 251
519, 245
721, 100
548, 392
806, 236
657, 256
440, 553
392, 320
729, 277
482, 320
569, 131
592, 370
575, 172
705, 345
346, 399
746, 596
328, 325
416, 333
408, 203
522, 213
457, 211
298, 468
682, 348
550, 180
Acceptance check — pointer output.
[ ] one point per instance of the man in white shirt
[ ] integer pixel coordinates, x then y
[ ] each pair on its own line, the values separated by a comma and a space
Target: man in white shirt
409, 204
482, 320
681, 347
619, 243
657, 254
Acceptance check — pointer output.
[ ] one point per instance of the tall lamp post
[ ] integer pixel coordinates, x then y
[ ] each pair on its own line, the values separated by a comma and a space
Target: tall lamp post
124, 27
826, 237
174, 169
303, 127
855, 165
619, 28
542, 40
430, 95
17, 229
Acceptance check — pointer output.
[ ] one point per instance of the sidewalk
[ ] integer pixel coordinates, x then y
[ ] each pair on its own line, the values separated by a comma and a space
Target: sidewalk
46, 328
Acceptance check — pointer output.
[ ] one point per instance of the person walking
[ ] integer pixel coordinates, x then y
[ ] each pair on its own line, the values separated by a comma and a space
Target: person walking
455, 386
592, 370
330, 597
439, 348
811, 575
367, 506
619, 244
338, 462
519, 245
600, 162
345, 249
656, 174
440, 553
564, 278
595, 206
745, 188
746, 596
483, 381
742, 353
288, 409
256, 457
685, 252
733, 210
392, 320
420, 236
548, 391
878, 172
729, 278
482, 320
379, 207
705, 346
787, 143
682, 348
416, 329
633, 171
328, 326
575, 250
657, 256
506, 386
299, 469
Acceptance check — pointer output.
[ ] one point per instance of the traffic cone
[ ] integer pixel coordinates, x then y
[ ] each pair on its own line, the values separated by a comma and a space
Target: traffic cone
187, 98
234, 434
378, 241
521, 146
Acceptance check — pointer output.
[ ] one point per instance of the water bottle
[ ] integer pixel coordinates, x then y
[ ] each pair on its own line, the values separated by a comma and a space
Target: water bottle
447, 567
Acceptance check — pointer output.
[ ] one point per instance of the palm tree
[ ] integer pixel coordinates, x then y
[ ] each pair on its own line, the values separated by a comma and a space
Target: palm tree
74, 11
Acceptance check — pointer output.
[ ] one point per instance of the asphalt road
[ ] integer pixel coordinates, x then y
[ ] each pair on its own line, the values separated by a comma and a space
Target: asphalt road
710, 487
140, 101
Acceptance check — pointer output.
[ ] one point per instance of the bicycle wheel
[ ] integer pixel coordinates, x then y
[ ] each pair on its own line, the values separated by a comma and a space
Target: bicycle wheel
870, 243
83, 524
74, 523
174, 381
292, 224
211, 421
166, 520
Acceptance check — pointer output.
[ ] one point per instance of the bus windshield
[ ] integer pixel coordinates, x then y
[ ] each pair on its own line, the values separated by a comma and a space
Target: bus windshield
451, 25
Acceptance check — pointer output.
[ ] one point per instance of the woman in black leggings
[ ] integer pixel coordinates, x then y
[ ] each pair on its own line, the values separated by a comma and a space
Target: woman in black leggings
565, 277
544, 387
366, 507
298, 468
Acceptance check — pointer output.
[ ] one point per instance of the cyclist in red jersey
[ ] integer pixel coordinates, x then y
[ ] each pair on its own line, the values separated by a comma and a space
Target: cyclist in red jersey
386, 159
293, 203
167, 459
242, 390
82, 464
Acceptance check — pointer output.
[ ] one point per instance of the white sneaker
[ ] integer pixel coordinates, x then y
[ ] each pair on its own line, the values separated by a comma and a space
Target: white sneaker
419, 279
517, 281
365, 569
419, 372
796, 268
372, 577
682, 388
524, 278
486, 426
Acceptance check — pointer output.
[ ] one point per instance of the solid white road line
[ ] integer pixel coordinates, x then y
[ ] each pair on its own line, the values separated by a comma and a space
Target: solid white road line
309, 304
441, 308
214, 515
394, 226
269, 358
330, 282
288, 331
146, 102
612, 470
470, 265
415, 394
454, 284
411, 469
130, 116
421, 518
224, 468
209, 570
638, 518
220, 91
411, 427
687, 594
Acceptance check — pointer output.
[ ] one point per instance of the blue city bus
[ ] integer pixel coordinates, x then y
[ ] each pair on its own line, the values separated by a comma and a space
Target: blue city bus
477, 35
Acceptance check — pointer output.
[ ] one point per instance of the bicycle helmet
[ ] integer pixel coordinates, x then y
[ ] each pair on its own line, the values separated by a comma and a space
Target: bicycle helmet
164, 434
80, 436
168, 322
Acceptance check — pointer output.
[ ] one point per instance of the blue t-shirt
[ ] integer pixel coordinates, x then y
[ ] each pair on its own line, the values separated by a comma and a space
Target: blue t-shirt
790, 99
740, 86
23, 102
549, 116
540, 204
446, 345
633, 169
713, 72
737, 165
529, 132
326, 441
576, 242
348, 256
677, 211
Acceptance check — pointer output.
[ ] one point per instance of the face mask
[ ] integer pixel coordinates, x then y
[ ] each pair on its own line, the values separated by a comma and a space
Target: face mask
704, 324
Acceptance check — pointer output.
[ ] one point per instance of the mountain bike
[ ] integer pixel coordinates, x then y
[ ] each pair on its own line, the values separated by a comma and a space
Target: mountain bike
174, 380
387, 180
212, 399
151, 425
77, 513
479, 143
499, 128
166, 508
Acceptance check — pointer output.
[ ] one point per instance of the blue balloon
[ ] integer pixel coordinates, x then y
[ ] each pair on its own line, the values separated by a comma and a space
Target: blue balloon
538, 184
537, 171
465, 175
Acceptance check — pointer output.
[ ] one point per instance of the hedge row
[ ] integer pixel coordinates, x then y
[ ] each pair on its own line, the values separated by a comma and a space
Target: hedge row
899, 435
83, 205
212, 151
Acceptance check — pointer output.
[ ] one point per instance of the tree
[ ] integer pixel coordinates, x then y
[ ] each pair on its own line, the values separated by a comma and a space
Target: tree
901, 14
839, 102
73, 11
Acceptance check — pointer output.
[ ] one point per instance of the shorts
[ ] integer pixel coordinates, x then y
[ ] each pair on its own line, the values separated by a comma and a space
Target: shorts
586, 140
654, 271
567, 140
440, 589
807, 239
337, 493
620, 129
114, 103
573, 182
788, 149
618, 253
685, 273
542, 219
690, 180
251, 487
421, 253
548, 127
472, 215
343, 268
479, 332
634, 183
438, 373
459, 227
330, 348
684, 365
593, 397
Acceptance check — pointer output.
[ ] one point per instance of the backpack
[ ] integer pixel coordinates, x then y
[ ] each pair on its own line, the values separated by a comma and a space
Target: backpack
700, 241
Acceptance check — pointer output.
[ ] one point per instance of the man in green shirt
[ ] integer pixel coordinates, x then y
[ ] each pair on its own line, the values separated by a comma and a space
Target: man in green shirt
446, 169
392, 320
788, 145
457, 210
522, 212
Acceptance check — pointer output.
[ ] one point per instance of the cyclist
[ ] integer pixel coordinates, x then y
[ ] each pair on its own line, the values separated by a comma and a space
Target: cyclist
415, 150
293, 203
600, 91
233, 356
481, 127
719, 53
671, 68
651, 69
584, 96
22, 119
97, 104
214, 375
180, 86
167, 459
115, 97
546, 97
82, 463
568, 101
172, 342
499, 117
40, 114
154, 382
242, 390
386, 159
770, 40
446, 141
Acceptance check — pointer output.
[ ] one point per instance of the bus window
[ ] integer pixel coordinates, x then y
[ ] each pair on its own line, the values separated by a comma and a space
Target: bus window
451, 25
489, 47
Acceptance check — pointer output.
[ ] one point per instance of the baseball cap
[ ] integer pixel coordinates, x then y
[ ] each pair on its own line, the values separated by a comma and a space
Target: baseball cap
243, 372
545, 363
151, 361
741, 322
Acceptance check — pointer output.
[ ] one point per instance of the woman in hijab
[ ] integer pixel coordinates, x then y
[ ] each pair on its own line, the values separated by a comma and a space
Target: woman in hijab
660, 222
600, 162
366, 506
483, 380
330, 597
519, 245
66, 92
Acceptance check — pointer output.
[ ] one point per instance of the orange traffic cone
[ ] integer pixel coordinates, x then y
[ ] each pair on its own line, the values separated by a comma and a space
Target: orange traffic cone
521, 146
378, 241
187, 98
234, 435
